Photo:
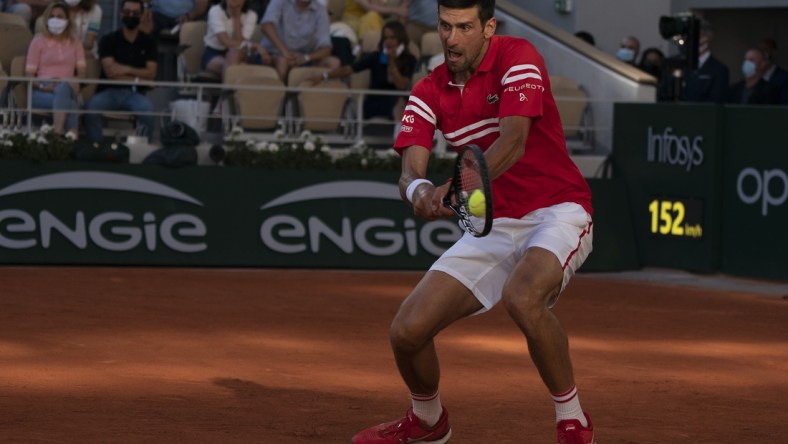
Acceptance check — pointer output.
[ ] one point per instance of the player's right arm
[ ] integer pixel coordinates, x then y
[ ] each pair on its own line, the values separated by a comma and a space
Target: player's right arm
427, 199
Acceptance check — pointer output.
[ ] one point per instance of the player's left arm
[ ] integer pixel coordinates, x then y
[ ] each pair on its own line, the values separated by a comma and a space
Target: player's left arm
510, 146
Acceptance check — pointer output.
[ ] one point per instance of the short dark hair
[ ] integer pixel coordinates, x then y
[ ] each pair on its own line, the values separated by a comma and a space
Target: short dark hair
244, 7
486, 7
139, 2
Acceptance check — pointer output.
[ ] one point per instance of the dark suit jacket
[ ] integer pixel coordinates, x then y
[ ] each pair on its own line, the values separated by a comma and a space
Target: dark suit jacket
763, 93
780, 80
708, 83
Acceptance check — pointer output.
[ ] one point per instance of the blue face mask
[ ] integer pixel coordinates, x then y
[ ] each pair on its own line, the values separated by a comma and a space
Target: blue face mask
748, 69
625, 54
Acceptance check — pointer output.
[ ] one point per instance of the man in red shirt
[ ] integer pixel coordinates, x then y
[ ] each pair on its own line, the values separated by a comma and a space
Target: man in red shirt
494, 92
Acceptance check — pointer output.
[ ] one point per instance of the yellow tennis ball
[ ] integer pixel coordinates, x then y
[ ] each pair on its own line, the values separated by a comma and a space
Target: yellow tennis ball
477, 203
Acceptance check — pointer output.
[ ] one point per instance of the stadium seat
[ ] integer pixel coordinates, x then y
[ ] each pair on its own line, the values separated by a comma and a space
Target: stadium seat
190, 51
254, 106
6, 18
430, 45
572, 104
318, 111
15, 41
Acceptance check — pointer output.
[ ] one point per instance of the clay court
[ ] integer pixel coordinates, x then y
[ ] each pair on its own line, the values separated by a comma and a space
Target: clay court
165, 355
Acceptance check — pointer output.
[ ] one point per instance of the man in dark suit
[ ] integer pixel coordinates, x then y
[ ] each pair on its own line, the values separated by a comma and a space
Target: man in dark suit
773, 73
753, 89
707, 83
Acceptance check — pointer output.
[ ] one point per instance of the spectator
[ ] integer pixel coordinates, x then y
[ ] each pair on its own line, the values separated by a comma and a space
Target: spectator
753, 89
652, 62
422, 17
227, 42
586, 36
168, 13
391, 68
56, 54
86, 15
126, 54
296, 33
706, 83
21, 9
773, 73
30, 10
369, 15
629, 50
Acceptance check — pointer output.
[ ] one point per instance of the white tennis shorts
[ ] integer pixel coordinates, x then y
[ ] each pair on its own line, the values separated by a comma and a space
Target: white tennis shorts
483, 264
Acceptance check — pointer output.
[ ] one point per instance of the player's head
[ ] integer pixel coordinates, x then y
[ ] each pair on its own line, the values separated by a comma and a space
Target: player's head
465, 28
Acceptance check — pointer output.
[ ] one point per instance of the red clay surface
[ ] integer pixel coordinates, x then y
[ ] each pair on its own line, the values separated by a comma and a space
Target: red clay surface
135, 355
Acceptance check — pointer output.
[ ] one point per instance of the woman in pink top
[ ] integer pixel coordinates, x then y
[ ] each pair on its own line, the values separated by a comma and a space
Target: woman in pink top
56, 54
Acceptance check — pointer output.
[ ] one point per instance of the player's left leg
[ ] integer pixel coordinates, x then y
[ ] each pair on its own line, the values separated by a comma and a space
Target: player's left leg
555, 247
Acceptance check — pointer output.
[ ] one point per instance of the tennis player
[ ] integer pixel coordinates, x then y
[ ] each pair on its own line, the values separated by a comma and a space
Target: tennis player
494, 92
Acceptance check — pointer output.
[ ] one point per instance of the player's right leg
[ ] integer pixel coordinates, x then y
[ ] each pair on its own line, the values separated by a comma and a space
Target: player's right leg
436, 302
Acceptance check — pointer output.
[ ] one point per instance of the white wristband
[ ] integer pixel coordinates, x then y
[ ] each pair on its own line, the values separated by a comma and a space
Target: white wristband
412, 188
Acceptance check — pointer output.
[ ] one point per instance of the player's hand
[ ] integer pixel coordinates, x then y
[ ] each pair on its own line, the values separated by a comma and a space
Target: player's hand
428, 202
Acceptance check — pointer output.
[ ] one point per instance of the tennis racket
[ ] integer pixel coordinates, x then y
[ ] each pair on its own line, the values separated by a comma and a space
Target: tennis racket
470, 194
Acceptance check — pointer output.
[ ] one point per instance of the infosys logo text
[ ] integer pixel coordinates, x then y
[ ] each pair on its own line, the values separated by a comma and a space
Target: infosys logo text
673, 149
181, 232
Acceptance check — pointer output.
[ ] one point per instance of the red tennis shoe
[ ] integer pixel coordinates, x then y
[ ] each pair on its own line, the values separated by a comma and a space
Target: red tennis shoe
407, 430
570, 431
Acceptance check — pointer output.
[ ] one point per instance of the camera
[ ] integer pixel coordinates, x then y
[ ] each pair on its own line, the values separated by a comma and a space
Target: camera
684, 30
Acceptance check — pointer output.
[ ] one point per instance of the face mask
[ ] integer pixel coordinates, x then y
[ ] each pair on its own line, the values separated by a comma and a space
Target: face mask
384, 57
131, 23
625, 54
748, 69
57, 25
73, 2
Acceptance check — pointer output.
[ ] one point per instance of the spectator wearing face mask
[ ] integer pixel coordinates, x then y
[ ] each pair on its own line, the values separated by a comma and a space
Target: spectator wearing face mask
652, 62
708, 82
773, 73
127, 54
55, 54
629, 50
753, 89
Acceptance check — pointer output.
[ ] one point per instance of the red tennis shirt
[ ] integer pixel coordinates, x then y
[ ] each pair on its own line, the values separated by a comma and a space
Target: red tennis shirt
510, 81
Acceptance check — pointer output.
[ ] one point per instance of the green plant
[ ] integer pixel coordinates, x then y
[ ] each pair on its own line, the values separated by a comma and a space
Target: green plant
38, 146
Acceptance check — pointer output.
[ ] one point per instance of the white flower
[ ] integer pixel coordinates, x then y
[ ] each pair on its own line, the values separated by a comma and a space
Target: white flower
305, 135
391, 152
70, 136
359, 146
8, 143
260, 146
279, 134
32, 136
294, 146
325, 149
364, 162
272, 147
42, 140
46, 128
309, 145
249, 143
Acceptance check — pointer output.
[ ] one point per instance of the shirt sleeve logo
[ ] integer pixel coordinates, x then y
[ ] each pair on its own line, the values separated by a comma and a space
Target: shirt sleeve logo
492, 98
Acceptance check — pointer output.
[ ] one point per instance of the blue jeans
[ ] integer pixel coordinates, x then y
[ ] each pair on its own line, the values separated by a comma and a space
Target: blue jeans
117, 99
62, 98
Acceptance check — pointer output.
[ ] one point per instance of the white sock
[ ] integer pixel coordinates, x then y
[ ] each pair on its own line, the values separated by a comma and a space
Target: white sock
567, 406
427, 408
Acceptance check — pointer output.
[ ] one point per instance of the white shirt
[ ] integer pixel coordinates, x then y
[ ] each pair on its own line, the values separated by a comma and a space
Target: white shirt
219, 21
85, 22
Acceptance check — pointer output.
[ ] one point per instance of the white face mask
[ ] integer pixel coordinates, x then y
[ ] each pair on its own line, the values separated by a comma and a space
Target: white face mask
73, 2
57, 25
